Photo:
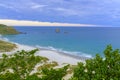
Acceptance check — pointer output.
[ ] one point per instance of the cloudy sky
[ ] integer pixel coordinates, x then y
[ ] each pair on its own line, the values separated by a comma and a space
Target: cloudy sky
97, 12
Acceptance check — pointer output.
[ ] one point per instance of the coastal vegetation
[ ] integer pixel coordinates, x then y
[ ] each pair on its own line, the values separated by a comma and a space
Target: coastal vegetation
6, 30
99, 68
7, 46
21, 65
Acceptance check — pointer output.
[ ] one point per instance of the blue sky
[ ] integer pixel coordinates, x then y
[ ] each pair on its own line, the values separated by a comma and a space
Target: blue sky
98, 12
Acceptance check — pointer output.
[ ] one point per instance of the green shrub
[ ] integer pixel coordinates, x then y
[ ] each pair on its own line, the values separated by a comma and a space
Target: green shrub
99, 68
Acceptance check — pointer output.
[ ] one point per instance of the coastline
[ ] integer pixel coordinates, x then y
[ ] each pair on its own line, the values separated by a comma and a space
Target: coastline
60, 57
52, 55
66, 54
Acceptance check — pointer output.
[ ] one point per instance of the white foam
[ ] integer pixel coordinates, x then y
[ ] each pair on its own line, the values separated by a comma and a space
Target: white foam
51, 55
66, 52
3, 38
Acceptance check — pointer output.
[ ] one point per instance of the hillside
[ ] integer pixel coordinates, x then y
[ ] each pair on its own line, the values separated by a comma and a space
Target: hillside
4, 29
6, 46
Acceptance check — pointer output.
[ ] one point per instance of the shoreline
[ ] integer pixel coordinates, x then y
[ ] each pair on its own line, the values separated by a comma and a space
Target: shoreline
52, 55
67, 54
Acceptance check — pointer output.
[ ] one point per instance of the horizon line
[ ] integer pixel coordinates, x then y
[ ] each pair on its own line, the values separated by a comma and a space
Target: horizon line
13, 22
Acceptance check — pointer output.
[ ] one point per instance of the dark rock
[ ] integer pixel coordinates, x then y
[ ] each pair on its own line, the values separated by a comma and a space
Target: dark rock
57, 30
65, 32
22, 32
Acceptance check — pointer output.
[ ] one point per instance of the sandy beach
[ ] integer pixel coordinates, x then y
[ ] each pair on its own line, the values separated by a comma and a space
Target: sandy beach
60, 58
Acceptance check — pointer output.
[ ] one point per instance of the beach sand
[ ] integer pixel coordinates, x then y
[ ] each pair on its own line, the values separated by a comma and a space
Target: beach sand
60, 58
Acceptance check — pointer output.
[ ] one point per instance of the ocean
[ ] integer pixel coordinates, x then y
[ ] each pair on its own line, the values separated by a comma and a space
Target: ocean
82, 41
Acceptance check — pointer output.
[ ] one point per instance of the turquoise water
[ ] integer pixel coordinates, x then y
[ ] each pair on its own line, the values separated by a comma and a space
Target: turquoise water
84, 41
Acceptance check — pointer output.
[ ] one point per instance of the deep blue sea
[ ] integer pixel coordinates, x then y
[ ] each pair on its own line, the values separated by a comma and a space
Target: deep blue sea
84, 41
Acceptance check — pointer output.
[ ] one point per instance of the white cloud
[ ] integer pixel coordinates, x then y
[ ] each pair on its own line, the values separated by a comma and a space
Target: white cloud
3, 5
23, 6
6, 6
38, 6
37, 23
66, 12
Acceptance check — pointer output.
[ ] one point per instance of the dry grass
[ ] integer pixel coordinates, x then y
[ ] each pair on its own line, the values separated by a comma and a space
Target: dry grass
6, 46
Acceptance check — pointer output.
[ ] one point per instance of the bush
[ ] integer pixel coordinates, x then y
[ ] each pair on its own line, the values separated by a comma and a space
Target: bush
20, 64
99, 68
